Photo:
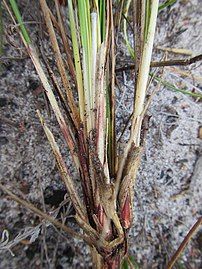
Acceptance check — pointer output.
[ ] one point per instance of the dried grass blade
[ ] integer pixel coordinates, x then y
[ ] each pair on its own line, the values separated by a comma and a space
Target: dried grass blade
137, 21
65, 42
101, 104
1, 33
45, 216
34, 57
64, 128
63, 170
60, 64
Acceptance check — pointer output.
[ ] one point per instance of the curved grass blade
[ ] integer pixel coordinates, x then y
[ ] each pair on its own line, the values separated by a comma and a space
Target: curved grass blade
128, 45
172, 87
19, 19
166, 4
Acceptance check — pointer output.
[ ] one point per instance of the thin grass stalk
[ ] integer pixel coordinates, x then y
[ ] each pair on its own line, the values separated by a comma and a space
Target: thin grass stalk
91, 237
166, 3
55, 83
64, 171
47, 217
118, 15
77, 61
172, 87
184, 243
34, 57
102, 15
112, 121
65, 42
84, 20
137, 20
60, 64
132, 159
104, 218
64, 128
144, 73
101, 104
147, 17
129, 48
99, 33
141, 87
167, 84
94, 31
1, 33
20, 22
55, 22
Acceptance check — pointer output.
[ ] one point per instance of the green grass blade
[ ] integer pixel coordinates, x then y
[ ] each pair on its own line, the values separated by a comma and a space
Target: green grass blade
128, 45
77, 60
131, 52
94, 24
170, 86
102, 13
129, 263
166, 4
19, 20
84, 14
147, 17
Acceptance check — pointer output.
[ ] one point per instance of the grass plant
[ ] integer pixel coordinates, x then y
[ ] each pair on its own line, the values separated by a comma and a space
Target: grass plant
85, 114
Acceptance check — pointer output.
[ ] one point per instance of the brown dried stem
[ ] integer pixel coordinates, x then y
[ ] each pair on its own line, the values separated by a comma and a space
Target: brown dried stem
45, 216
184, 243
65, 42
180, 62
60, 64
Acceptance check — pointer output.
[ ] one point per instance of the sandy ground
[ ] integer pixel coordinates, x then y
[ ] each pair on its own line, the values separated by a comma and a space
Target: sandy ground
168, 189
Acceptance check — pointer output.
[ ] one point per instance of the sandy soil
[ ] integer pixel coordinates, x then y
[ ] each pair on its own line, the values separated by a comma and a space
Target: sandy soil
168, 189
